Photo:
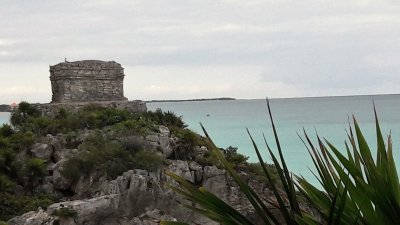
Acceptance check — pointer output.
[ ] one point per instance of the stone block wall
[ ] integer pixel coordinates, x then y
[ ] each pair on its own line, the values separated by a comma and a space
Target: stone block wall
88, 80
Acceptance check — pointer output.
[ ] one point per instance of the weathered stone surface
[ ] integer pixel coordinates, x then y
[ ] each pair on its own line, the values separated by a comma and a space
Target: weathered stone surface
164, 131
87, 80
39, 217
60, 182
152, 217
89, 211
161, 140
42, 151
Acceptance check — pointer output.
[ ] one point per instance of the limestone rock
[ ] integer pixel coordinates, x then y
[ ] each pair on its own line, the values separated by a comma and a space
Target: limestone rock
164, 131
181, 168
42, 151
60, 182
90, 211
39, 217
152, 217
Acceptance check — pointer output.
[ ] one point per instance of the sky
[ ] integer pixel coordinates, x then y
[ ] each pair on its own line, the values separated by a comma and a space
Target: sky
184, 49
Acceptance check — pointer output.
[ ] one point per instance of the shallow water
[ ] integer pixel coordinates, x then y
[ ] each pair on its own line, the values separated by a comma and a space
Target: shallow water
4, 117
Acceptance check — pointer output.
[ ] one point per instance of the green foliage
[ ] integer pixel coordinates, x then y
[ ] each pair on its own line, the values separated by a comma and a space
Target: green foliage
188, 140
65, 212
148, 160
22, 140
356, 188
6, 184
6, 130
234, 157
100, 154
35, 168
6, 160
22, 113
12, 205
168, 119
140, 125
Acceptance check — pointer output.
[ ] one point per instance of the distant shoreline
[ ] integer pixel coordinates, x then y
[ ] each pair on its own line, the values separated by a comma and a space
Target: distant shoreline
5, 108
194, 100
332, 96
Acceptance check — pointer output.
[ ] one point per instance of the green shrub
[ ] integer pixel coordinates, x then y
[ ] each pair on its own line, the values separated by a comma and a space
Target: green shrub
234, 157
12, 205
22, 140
73, 168
6, 160
6, 130
4, 142
6, 184
139, 126
99, 154
35, 169
22, 113
148, 160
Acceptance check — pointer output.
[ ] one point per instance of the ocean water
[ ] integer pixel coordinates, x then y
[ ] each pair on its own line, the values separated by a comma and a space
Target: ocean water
4, 117
226, 122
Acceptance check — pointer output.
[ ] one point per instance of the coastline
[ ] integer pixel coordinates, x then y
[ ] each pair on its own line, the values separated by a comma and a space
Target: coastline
194, 100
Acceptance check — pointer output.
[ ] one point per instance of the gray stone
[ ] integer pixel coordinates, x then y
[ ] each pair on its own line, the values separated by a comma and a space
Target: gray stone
165, 146
60, 182
153, 138
152, 217
42, 151
89, 211
39, 217
164, 131
181, 168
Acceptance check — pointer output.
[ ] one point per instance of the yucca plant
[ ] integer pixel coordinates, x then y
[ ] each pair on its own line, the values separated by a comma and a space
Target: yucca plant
361, 190
356, 190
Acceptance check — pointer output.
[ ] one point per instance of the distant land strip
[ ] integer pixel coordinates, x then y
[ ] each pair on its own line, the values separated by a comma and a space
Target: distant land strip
5, 108
194, 100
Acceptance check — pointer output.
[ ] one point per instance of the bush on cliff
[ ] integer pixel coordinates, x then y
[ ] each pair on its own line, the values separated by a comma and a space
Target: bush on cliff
108, 157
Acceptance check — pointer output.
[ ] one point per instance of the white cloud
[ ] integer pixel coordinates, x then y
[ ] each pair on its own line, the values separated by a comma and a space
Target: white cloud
209, 48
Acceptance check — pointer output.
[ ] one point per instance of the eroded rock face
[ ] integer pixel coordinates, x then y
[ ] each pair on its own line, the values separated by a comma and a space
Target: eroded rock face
42, 151
135, 197
162, 140
39, 217
137, 192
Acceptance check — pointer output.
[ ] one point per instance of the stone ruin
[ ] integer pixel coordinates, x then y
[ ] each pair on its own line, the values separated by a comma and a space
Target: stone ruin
88, 80
76, 84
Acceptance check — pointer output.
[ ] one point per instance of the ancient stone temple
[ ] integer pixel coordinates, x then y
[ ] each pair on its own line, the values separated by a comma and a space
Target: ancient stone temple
77, 84
88, 80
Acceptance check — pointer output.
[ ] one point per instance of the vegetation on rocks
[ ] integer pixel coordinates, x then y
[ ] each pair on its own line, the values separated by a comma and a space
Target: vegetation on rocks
102, 155
104, 142
46, 159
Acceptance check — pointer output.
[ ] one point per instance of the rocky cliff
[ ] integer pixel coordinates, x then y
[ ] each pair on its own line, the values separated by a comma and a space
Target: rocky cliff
95, 181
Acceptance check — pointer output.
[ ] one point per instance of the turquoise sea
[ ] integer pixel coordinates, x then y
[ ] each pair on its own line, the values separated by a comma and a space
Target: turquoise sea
4, 117
226, 122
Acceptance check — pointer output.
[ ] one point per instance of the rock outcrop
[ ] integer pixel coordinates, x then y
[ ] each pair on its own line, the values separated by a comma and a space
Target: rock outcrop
135, 197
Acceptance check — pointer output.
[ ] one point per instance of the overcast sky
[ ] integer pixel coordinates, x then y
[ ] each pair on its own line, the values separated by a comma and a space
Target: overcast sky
182, 49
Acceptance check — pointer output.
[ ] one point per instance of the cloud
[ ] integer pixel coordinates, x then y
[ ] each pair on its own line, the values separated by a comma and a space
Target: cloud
310, 47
